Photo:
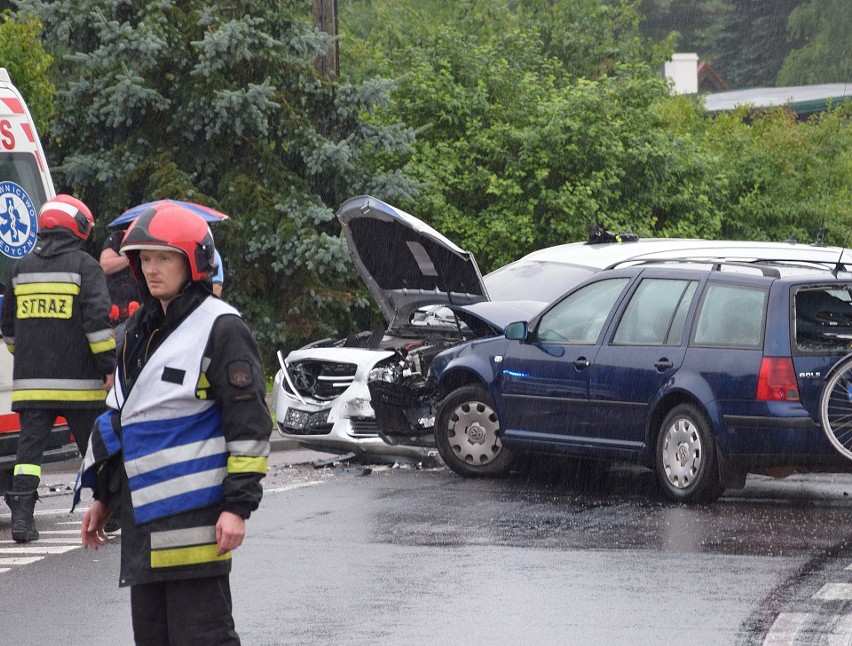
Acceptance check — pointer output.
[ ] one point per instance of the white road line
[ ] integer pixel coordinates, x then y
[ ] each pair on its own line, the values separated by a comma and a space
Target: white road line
840, 633
834, 592
24, 560
292, 487
785, 628
56, 541
64, 532
47, 549
4, 569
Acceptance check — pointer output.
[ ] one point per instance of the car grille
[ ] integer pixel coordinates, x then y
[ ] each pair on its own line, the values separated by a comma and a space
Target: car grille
364, 426
319, 429
321, 380
300, 422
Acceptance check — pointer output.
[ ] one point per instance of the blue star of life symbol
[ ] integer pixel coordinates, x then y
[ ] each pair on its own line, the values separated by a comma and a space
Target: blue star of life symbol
18, 221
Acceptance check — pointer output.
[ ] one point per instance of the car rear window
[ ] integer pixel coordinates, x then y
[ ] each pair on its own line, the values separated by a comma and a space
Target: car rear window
823, 320
731, 316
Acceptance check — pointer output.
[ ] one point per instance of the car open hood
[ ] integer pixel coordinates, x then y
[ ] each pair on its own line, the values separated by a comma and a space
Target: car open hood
404, 262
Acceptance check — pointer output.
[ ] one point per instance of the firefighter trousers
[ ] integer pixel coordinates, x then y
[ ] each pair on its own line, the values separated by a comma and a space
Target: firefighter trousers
188, 612
36, 425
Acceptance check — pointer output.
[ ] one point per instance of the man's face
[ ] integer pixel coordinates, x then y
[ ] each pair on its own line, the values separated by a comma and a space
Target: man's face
165, 271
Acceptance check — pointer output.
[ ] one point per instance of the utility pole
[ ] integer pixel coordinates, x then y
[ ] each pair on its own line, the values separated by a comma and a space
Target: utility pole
325, 19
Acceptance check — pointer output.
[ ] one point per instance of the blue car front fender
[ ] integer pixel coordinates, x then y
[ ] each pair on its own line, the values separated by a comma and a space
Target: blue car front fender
475, 361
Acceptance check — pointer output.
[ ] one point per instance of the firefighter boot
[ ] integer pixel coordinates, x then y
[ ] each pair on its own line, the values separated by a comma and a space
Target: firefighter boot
22, 505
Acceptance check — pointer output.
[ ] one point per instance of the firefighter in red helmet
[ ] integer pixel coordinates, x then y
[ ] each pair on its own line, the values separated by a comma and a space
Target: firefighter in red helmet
182, 452
54, 321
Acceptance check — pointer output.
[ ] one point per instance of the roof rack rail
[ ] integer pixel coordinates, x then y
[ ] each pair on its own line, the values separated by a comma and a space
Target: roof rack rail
766, 265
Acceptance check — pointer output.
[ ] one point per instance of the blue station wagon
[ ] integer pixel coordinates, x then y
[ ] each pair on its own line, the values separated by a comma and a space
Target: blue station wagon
702, 371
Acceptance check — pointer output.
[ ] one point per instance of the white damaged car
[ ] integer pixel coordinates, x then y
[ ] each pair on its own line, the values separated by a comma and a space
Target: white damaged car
417, 277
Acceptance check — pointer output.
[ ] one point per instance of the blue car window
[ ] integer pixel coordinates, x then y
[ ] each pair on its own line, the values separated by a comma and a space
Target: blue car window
656, 313
579, 317
731, 316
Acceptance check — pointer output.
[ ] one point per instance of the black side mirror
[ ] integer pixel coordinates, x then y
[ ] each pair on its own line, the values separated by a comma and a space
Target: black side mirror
517, 331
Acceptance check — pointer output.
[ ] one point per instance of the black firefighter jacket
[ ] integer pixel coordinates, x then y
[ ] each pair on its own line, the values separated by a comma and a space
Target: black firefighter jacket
55, 321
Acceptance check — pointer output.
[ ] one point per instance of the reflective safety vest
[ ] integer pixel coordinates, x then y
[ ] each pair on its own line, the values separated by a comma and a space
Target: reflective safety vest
175, 453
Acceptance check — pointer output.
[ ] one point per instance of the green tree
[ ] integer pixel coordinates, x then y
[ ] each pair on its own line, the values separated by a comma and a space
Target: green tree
781, 177
220, 103
23, 56
754, 42
527, 137
826, 55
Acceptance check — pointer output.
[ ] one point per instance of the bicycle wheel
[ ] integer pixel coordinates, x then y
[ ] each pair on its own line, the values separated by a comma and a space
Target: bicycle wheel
835, 408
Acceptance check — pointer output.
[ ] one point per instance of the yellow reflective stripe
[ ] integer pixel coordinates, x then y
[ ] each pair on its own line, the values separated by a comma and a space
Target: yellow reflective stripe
59, 395
244, 464
202, 386
46, 288
186, 556
102, 346
28, 470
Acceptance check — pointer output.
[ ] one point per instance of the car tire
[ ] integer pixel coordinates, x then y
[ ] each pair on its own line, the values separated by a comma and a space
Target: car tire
686, 463
467, 434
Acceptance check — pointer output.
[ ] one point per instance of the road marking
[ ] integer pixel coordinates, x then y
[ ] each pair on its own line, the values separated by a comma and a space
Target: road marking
35, 549
43, 540
834, 592
292, 487
785, 628
24, 560
841, 631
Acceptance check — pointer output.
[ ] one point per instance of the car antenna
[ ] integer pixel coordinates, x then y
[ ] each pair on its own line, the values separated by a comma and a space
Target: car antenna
840, 257
820, 236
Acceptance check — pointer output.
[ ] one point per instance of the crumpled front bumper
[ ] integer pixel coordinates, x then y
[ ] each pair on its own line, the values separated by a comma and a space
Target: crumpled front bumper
345, 424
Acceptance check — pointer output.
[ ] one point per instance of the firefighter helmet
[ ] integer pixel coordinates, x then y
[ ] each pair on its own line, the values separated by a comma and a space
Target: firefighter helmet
66, 212
173, 228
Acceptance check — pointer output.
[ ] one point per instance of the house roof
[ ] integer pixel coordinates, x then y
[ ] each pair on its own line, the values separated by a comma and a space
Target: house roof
802, 99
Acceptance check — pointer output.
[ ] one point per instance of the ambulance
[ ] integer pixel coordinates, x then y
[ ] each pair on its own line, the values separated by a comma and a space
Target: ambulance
25, 184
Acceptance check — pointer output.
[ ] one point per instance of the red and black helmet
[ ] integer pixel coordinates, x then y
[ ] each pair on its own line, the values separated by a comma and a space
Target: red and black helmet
172, 228
66, 212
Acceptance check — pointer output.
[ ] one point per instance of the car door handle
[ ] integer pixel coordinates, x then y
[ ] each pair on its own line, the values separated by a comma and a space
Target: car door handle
662, 365
581, 362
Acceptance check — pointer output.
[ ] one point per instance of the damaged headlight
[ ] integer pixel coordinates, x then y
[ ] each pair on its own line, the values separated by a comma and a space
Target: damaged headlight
391, 373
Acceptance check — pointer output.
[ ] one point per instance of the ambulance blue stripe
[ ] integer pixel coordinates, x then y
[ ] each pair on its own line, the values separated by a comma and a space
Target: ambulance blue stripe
171, 471
178, 504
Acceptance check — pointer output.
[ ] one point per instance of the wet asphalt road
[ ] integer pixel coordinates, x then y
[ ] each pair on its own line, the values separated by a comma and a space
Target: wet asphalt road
356, 554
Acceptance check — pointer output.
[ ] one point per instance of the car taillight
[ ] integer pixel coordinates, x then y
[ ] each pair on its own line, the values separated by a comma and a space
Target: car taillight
777, 380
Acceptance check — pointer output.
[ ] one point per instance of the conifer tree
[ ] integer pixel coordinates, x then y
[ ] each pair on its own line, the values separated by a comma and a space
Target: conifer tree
220, 103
